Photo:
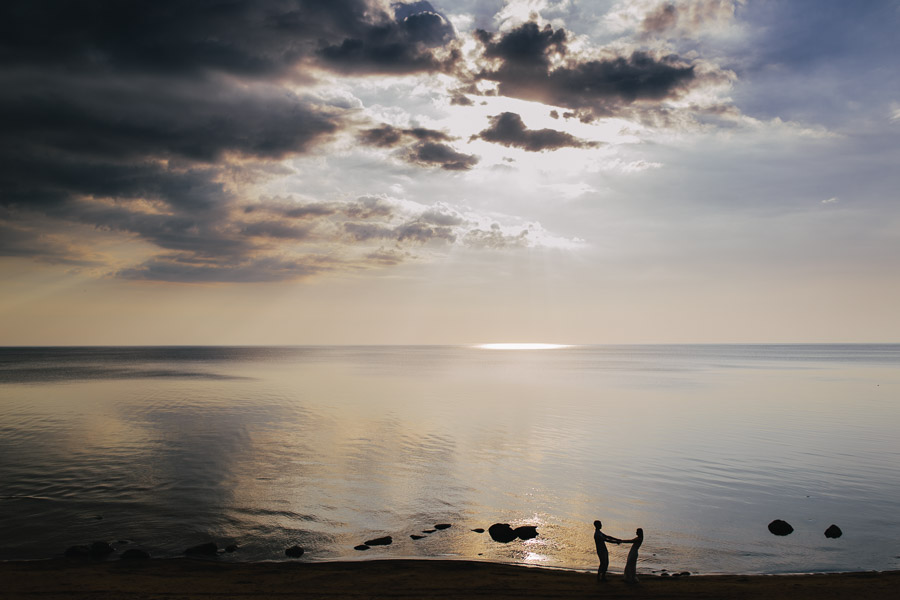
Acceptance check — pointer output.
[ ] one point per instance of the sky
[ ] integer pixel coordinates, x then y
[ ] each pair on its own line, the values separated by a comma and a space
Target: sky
449, 172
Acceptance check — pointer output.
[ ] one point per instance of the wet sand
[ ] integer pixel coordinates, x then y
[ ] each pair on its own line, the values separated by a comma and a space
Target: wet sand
175, 579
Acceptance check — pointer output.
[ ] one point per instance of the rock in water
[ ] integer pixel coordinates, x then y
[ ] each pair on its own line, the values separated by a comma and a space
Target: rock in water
442, 526
361, 547
478, 530
135, 554
294, 552
833, 532
101, 549
526, 532
382, 541
416, 537
779, 527
231, 548
207, 549
502, 532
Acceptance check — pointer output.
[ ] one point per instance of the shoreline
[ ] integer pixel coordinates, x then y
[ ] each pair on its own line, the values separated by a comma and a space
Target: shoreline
189, 579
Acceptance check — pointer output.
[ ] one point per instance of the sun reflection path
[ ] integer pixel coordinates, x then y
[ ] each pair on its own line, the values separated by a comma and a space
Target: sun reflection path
522, 346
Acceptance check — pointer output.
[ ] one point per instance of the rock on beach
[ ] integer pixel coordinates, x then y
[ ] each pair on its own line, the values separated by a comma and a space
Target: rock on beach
382, 541
502, 532
779, 527
207, 549
833, 532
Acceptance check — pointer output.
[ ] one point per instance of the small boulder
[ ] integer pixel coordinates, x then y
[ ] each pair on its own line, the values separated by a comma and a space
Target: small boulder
429, 530
135, 554
80, 551
442, 526
207, 549
779, 527
833, 531
502, 532
382, 541
294, 552
526, 532
361, 547
416, 537
478, 530
101, 550
231, 548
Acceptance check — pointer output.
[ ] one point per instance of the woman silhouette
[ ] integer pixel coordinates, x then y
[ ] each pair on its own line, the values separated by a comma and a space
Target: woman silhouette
631, 562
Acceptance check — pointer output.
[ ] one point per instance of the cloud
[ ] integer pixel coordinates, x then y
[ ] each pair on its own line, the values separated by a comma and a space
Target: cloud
256, 38
24, 241
689, 18
421, 146
434, 154
387, 136
534, 63
152, 122
417, 39
508, 129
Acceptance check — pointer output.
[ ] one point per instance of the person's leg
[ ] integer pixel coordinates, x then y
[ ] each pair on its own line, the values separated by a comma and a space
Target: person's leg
601, 572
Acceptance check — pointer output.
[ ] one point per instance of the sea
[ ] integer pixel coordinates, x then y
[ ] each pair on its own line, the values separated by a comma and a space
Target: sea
326, 447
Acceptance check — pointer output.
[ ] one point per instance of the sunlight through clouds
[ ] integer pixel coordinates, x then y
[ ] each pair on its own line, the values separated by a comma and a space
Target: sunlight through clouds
604, 160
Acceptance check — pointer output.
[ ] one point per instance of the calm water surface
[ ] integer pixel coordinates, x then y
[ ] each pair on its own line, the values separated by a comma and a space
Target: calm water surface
326, 447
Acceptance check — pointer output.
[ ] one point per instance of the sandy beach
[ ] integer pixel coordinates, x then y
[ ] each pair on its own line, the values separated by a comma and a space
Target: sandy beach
175, 579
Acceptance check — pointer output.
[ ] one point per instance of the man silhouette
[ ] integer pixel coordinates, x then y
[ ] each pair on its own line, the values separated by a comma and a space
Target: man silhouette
600, 540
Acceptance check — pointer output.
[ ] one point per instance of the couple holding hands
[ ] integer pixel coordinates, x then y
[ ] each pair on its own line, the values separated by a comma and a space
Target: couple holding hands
600, 540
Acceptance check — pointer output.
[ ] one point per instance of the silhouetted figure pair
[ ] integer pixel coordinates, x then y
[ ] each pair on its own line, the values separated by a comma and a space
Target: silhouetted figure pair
600, 540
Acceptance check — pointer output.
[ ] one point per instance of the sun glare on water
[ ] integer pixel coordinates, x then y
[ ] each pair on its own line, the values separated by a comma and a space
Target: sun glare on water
522, 346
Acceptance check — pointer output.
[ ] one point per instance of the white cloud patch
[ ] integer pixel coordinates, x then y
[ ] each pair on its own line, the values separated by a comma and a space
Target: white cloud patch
895, 112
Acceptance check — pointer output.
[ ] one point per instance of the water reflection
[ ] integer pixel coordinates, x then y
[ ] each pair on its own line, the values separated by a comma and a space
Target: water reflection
327, 447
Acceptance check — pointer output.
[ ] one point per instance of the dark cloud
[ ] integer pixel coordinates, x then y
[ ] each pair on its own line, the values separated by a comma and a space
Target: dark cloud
527, 47
424, 232
136, 119
508, 129
25, 242
420, 146
368, 207
286, 209
387, 136
244, 37
433, 154
275, 229
411, 42
144, 121
461, 100
141, 118
527, 63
